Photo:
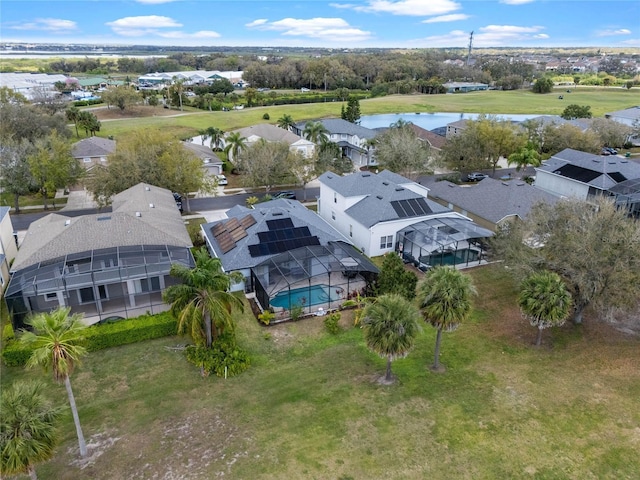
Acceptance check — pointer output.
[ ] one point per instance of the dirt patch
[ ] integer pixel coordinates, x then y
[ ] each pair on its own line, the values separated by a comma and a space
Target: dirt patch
96, 446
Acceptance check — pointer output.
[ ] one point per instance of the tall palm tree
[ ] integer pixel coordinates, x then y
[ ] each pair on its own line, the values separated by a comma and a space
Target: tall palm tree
27, 428
390, 326
56, 338
202, 303
545, 301
445, 302
315, 132
286, 121
204, 135
234, 143
216, 135
72, 113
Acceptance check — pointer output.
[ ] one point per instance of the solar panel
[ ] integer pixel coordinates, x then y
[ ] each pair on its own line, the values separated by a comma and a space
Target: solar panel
226, 242
232, 224
412, 207
248, 221
279, 224
238, 234
218, 229
617, 176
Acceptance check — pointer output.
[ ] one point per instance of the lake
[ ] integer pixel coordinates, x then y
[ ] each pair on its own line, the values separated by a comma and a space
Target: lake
430, 121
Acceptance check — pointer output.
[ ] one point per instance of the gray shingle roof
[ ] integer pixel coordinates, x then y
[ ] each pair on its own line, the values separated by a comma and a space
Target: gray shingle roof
337, 126
491, 199
57, 235
631, 113
93, 147
270, 133
202, 152
606, 166
378, 190
4, 211
239, 258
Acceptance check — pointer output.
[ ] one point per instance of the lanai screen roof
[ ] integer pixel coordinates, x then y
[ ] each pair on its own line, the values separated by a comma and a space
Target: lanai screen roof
434, 233
314, 260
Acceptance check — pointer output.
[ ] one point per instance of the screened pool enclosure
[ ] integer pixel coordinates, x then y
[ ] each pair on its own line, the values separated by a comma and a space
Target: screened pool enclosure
442, 241
313, 278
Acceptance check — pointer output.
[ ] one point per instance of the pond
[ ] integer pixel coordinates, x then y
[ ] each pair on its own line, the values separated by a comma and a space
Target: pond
430, 121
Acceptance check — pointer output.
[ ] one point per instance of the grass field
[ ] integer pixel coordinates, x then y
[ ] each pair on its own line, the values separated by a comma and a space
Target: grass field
601, 100
310, 407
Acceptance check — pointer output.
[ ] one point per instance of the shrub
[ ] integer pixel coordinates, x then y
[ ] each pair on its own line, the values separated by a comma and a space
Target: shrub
224, 358
100, 336
296, 312
331, 323
265, 116
266, 317
7, 333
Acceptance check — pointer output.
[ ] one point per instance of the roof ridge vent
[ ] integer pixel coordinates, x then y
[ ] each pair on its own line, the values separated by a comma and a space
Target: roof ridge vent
147, 189
151, 205
138, 214
379, 197
399, 189
385, 183
67, 223
366, 174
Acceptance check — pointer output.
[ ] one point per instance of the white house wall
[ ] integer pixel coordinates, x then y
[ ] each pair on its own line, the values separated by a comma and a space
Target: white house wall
561, 186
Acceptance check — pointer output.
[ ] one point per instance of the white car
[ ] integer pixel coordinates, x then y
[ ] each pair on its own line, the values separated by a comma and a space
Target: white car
222, 180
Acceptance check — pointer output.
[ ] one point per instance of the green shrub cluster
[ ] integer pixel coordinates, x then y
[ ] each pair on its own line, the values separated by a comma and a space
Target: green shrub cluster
101, 336
224, 358
84, 103
331, 323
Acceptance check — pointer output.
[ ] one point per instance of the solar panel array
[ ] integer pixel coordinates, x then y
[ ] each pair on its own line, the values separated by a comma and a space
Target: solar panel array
413, 207
281, 237
228, 233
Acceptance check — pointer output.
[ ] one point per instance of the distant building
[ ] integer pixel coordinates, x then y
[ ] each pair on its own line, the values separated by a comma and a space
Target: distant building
464, 87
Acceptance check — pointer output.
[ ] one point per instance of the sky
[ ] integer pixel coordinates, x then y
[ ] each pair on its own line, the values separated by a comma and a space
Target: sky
332, 24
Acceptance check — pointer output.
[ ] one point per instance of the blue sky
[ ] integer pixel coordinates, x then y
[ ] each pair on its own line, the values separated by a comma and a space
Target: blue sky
338, 24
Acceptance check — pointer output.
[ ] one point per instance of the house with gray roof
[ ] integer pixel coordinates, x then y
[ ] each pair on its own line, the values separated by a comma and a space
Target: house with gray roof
490, 203
101, 265
370, 209
572, 173
288, 255
628, 116
273, 133
8, 246
92, 151
352, 139
211, 163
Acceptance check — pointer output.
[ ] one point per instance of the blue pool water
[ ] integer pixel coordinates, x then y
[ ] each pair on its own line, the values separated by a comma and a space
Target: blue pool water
305, 296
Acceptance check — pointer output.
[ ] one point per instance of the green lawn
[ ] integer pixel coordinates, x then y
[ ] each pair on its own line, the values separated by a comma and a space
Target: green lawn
601, 100
310, 408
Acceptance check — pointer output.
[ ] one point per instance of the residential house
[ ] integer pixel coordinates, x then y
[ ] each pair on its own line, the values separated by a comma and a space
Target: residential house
454, 128
210, 161
435, 141
288, 255
353, 140
629, 116
92, 151
8, 246
273, 133
489, 203
371, 209
571, 173
102, 265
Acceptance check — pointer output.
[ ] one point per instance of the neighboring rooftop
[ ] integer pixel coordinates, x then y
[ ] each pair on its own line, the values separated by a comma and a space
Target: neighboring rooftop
269, 132
490, 199
141, 215
93, 147
339, 126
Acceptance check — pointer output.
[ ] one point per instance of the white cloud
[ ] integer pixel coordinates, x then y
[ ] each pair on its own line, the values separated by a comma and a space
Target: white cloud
143, 25
55, 25
610, 33
454, 17
489, 36
256, 23
516, 2
330, 29
415, 8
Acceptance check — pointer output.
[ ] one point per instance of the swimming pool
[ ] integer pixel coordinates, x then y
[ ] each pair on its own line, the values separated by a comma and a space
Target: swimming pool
451, 258
305, 296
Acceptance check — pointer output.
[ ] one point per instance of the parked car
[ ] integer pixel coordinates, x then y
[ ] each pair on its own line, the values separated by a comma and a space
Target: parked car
612, 151
222, 180
605, 152
285, 194
178, 198
476, 177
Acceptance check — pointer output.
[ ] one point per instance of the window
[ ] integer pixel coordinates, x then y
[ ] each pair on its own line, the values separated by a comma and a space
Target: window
351, 230
335, 197
386, 241
86, 159
333, 215
50, 297
103, 159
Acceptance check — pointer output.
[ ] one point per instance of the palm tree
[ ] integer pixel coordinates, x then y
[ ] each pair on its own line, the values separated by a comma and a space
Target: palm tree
445, 295
286, 121
72, 113
545, 301
216, 135
234, 143
315, 132
55, 340
390, 326
27, 428
204, 135
202, 303
524, 157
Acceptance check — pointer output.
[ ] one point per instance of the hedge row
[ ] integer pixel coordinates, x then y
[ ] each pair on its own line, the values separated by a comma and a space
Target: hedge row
101, 336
